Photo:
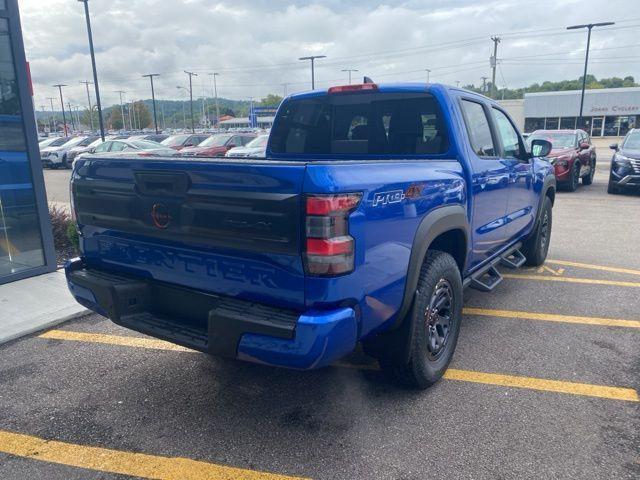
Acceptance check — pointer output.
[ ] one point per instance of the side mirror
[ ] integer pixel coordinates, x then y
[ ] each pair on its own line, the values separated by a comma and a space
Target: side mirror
614, 146
540, 148
584, 146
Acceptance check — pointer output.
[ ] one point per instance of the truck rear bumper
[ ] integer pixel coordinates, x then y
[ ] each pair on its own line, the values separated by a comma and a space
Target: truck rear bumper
215, 324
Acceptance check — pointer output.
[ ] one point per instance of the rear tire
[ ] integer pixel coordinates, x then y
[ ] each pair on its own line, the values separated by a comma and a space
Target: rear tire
588, 180
433, 325
572, 184
536, 247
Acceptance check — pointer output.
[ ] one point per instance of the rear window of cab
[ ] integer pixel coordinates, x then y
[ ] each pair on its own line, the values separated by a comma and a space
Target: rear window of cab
394, 124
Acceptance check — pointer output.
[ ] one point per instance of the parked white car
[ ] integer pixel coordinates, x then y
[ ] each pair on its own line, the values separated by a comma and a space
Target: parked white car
55, 154
255, 148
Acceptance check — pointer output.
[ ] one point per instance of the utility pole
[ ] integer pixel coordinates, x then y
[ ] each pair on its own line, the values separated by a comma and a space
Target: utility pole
153, 99
191, 75
87, 83
53, 115
457, 83
284, 89
73, 123
130, 117
313, 59
484, 84
120, 92
428, 73
64, 118
493, 61
93, 65
215, 94
349, 70
589, 27
44, 116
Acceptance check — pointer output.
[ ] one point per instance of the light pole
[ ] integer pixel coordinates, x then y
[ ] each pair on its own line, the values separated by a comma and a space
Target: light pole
73, 123
120, 92
588, 26
93, 65
87, 83
191, 75
184, 114
153, 99
313, 59
215, 94
428, 73
349, 70
64, 118
53, 115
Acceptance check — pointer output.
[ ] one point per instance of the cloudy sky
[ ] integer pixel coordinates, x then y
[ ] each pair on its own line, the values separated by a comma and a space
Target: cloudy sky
254, 45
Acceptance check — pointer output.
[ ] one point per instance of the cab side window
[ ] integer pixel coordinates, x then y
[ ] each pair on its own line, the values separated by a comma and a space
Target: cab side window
508, 135
478, 129
117, 146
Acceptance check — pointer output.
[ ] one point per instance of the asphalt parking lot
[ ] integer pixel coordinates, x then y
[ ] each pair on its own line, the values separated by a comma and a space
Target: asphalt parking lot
544, 384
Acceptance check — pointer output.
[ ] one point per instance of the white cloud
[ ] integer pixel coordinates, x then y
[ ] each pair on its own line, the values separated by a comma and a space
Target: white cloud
255, 44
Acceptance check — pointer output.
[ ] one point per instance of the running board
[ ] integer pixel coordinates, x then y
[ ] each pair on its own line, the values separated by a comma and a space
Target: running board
488, 278
515, 259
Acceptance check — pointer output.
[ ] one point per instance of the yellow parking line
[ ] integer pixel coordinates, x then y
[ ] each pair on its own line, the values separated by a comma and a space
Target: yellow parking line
530, 383
548, 317
140, 342
594, 267
588, 281
615, 393
125, 463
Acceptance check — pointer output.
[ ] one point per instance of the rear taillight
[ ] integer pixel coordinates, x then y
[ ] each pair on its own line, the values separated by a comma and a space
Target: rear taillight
329, 247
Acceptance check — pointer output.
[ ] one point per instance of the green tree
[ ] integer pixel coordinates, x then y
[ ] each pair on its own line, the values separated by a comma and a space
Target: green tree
86, 118
271, 100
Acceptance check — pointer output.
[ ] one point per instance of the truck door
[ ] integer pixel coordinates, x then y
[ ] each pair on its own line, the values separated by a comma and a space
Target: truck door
490, 183
521, 203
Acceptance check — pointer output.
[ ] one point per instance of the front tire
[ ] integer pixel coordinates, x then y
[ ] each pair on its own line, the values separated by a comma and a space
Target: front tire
612, 188
433, 324
536, 247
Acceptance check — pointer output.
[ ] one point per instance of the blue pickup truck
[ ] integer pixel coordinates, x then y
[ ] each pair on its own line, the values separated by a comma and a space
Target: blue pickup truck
376, 205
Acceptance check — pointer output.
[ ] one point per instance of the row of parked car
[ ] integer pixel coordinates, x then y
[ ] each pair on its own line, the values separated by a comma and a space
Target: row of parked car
58, 152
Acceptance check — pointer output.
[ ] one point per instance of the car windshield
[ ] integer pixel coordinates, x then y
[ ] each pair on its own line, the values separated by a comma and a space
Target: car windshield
58, 142
258, 142
632, 141
146, 145
74, 141
215, 141
88, 141
174, 140
47, 141
558, 140
95, 143
363, 124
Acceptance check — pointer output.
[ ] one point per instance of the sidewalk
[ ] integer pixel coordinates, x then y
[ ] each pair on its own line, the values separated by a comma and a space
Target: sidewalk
36, 303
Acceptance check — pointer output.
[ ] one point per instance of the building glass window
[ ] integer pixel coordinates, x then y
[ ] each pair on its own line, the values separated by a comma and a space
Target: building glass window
20, 239
568, 123
533, 124
597, 124
552, 123
626, 124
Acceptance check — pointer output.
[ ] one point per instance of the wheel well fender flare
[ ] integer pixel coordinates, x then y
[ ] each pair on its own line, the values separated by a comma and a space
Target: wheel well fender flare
438, 221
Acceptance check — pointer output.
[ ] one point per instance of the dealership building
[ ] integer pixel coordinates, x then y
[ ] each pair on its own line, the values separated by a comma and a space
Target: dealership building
607, 112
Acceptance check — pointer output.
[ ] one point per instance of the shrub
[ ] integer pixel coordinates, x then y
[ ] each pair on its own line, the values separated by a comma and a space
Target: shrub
60, 221
72, 235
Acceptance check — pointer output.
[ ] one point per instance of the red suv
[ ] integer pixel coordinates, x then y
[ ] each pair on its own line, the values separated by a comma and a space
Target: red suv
573, 156
218, 145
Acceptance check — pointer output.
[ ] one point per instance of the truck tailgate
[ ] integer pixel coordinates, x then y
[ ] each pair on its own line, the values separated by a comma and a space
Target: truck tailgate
230, 227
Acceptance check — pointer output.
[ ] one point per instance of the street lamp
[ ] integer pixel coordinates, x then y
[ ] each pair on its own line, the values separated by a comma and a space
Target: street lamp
153, 99
349, 70
312, 58
191, 75
588, 26
184, 115
93, 64
64, 118
215, 94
